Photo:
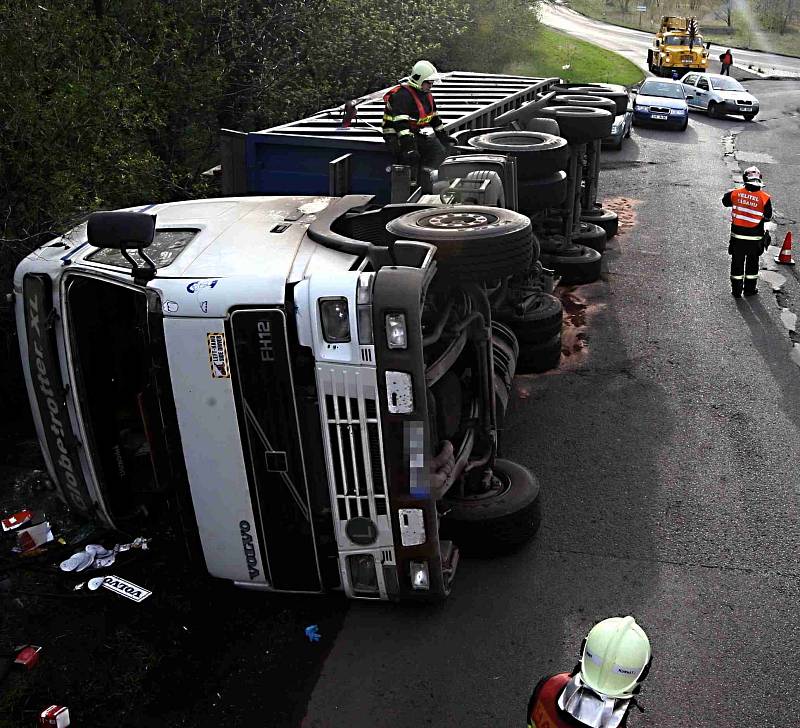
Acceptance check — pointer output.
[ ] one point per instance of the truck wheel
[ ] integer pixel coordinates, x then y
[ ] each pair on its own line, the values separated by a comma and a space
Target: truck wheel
543, 193
538, 358
498, 521
579, 125
548, 126
494, 196
577, 265
475, 243
581, 100
540, 321
538, 154
618, 95
606, 219
590, 235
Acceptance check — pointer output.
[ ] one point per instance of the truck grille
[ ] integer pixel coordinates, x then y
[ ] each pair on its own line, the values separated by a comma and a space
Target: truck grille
353, 444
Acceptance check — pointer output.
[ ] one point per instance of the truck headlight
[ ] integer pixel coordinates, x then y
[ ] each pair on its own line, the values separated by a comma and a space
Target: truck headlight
396, 331
363, 577
335, 317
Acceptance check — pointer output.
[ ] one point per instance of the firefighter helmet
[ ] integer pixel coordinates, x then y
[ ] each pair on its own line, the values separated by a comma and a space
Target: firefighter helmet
752, 176
423, 71
616, 657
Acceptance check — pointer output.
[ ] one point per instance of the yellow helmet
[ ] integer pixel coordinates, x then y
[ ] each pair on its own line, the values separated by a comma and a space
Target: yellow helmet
616, 657
422, 71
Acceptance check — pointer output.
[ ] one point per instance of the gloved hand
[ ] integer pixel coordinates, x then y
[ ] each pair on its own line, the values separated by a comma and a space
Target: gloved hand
447, 140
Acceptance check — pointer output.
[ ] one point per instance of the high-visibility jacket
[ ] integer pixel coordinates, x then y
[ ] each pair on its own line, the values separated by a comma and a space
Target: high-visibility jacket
543, 710
750, 210
407, 110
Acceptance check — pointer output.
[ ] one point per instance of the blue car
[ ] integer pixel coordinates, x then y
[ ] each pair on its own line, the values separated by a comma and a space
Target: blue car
661, 102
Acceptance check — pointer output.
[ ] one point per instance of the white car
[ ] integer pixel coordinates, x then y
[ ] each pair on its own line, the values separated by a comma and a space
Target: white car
719, 95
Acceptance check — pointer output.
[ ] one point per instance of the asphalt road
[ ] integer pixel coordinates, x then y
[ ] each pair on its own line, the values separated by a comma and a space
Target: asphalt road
668, 455
633, 44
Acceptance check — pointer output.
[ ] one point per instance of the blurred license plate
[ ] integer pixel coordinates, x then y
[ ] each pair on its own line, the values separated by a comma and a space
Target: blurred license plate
661, 117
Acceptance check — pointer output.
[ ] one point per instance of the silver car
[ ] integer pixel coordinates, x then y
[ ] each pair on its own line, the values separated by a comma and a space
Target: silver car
719, 95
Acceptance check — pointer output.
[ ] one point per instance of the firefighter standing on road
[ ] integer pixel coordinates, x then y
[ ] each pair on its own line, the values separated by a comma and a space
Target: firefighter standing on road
598, 693
410, 108
751, 208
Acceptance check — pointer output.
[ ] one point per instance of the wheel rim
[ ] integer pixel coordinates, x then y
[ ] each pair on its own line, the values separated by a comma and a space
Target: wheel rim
457, 220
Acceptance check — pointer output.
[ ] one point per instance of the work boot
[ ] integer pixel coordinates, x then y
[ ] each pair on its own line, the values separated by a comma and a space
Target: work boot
736, 289
751, 291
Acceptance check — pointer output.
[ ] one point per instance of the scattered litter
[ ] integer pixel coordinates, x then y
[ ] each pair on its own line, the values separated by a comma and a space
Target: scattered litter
33, 536
17, 520
126, 588
56, 716
138, 543
96, 583
27, 656
312, 632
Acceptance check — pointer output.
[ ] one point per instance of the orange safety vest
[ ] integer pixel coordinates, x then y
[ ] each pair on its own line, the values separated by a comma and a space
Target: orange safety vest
748, 207
544, 713
423, 117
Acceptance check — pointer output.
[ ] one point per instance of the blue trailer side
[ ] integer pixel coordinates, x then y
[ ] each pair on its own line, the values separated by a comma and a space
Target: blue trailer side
294, 158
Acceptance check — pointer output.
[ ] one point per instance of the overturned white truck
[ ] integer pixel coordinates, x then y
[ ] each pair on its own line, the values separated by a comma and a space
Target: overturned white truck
314, 386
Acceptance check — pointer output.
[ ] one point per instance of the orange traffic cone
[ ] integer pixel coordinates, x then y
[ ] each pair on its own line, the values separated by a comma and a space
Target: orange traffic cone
785, 256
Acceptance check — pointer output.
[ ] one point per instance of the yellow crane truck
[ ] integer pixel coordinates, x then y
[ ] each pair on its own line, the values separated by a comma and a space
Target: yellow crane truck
678, 46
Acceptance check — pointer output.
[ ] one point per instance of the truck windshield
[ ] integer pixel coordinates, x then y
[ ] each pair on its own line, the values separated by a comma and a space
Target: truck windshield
683, 40
112, 361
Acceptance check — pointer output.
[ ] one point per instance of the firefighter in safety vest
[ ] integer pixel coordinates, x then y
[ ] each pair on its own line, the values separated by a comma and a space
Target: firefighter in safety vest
410, 108
752, 207
600, 690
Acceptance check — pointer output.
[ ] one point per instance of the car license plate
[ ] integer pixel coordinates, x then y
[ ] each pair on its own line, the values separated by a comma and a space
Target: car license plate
660, 117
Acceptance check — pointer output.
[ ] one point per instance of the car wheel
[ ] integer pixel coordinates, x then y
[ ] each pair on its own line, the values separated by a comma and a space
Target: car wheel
581, 265
748, 117
542, 194
606, 219
538, 154
592, 236
685, 124
496, 521
580, 125
712, 109
474, 243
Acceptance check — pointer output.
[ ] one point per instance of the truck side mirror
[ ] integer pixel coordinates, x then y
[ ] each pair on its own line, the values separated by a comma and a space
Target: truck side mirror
125, 231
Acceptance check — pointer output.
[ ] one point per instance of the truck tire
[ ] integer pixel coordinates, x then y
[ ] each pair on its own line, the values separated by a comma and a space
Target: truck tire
543, 193
540, 322
576, 265
619, 96
496, 522
538, 358
538, 154
606, 219
580, 125
596, 102
590, 235
475, 243
548, 126
495, 195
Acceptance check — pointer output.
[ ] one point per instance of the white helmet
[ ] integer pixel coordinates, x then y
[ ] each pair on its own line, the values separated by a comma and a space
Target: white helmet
752, 176
616, 657
423, 71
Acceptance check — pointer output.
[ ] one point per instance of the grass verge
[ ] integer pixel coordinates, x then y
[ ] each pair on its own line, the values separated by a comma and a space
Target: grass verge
552, 53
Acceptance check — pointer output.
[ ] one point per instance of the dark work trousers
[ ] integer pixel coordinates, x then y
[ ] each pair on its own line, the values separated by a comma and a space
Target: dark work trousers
744, 264
726, 69
431, 151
